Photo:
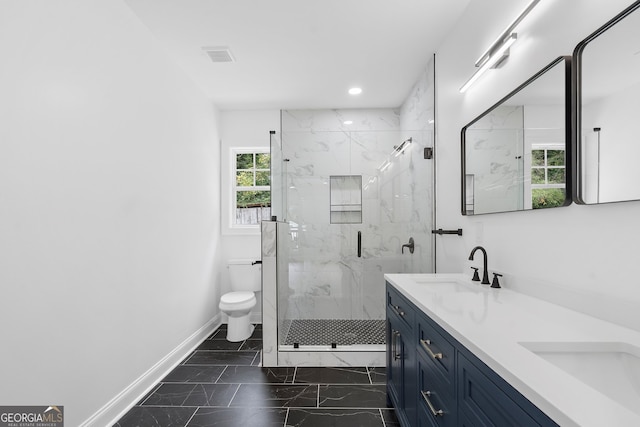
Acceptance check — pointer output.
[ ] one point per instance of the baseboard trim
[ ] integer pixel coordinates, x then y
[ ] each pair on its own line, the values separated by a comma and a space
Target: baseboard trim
110, 413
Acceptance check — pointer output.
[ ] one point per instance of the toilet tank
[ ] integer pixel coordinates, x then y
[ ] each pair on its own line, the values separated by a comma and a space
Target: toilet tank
243, 276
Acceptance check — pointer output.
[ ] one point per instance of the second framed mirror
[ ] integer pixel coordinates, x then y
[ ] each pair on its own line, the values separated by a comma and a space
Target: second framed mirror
607, 78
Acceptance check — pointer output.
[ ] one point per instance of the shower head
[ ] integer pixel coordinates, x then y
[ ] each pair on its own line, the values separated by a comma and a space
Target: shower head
400, 149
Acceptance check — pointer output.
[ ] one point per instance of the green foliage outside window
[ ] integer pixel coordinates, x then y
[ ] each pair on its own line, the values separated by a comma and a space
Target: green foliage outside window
547, 197
253, 199
252, 170
547, 169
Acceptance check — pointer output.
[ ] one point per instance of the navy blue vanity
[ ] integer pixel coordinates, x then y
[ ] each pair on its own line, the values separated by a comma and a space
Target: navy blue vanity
433, 380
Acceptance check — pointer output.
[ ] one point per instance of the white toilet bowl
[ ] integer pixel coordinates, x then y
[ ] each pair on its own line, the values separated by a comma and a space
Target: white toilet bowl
244, 282
238, 305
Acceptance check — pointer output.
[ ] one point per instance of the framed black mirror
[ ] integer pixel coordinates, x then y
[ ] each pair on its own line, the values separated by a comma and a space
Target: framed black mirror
607, 97
514, 155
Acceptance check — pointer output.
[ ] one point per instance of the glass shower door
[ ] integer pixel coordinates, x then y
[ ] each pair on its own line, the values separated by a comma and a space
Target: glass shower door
352, 200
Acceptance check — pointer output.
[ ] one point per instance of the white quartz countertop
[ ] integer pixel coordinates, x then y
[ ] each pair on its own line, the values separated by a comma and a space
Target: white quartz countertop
492, 324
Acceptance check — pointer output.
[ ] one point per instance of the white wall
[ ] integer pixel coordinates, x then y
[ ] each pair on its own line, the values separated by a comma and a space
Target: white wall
580, 256
616, 115
248, 128
110, 205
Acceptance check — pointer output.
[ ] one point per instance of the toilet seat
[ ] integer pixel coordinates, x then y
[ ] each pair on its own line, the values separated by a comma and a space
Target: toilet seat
240, 300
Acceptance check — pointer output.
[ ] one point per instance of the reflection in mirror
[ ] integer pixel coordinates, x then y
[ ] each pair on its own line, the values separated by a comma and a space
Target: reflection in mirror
514, 154
608, 108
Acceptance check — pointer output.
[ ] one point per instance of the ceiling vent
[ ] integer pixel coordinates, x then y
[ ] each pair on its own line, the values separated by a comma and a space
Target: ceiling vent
219, 54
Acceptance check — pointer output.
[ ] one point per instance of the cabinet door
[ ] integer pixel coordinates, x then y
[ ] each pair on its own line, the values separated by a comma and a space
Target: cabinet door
401, 370
395, 384
485, 399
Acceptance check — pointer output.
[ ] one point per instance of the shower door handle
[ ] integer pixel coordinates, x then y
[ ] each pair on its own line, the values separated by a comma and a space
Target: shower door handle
359, 244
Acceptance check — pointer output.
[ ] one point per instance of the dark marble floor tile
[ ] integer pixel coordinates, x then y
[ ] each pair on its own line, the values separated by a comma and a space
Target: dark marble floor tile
257, 375
389, 417
378, 375
334, 418
204, 357
140, 416
219, 334
257, 361
220, 345
169, 395
332, 376
211, 395
353, 396
234, 417
146, 396
194, 374
276, 396
256, 335
251, 344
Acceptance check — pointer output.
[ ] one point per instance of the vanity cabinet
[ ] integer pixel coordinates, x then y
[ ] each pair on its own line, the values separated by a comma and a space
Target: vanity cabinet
401, 357
434, 381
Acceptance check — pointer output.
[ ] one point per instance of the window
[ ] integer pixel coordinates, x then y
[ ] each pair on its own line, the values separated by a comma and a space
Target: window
547, 176
252, 186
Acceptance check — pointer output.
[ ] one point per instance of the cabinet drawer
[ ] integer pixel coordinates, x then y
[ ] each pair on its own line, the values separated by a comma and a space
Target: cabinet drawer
400, 306
436, 397
433, 345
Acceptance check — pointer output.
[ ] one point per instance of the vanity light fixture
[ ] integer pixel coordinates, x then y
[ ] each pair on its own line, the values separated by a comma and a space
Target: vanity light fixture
499, 50
491, 62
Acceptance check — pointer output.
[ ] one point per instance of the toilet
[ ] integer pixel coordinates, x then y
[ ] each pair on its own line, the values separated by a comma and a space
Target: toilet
245, 281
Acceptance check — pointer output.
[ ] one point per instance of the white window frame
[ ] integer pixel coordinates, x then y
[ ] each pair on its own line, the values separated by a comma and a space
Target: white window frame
547, 147
234, 151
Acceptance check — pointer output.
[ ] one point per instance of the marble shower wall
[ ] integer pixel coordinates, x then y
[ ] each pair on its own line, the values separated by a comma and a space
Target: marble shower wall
493, 145
326, 277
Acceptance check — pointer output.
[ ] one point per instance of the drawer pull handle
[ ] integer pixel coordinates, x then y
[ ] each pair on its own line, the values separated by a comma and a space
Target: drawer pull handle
436, 413
396, 355
425, 344
397, 310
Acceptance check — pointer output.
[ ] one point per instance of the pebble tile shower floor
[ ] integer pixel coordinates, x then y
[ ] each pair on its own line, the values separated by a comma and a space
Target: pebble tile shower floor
339, 332
221, 384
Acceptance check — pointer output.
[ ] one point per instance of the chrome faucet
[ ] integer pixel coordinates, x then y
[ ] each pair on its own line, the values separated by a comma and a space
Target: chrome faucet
485, 273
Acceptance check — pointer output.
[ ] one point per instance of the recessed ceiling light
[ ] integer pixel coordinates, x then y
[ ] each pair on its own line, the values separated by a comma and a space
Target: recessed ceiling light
355, 91
348, 122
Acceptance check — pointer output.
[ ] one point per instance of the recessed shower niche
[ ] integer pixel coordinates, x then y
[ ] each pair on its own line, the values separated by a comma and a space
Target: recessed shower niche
345, 197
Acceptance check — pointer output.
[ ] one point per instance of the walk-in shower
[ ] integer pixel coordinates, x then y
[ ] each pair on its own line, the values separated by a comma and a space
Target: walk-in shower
346, 201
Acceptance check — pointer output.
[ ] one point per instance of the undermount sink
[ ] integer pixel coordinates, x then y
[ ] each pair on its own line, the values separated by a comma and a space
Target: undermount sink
612, 368
443, 284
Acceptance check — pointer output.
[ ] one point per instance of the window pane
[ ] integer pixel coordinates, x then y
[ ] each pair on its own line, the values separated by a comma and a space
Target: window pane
556, 176
537, 176
537, 157
547, 197
252, 199
555, 157
263, 160
244, 161
244, 179
263, 178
